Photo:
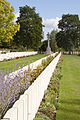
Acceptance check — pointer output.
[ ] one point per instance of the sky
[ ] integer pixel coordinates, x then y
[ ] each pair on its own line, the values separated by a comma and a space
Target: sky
51, 11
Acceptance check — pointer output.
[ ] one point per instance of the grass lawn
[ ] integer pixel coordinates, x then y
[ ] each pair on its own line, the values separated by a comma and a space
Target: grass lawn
69, 97
22, 61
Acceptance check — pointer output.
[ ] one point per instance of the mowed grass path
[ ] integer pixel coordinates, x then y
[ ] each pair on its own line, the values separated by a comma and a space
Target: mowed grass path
4, 66
69, 97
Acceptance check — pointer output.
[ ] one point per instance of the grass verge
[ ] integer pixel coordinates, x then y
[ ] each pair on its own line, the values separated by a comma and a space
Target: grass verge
69, 96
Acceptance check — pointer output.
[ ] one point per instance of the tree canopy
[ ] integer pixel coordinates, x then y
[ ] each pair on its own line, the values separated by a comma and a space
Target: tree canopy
30, 33
68, 37
7, 26
53, 40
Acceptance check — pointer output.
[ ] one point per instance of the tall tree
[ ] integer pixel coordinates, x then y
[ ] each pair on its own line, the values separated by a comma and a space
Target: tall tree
68, 37
30, 33
7, 27
53, 40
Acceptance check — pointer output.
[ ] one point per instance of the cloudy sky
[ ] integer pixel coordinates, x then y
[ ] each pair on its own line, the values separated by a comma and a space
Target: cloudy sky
51, 11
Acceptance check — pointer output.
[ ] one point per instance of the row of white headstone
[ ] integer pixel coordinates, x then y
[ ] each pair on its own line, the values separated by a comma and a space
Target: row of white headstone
26, 107
13, 55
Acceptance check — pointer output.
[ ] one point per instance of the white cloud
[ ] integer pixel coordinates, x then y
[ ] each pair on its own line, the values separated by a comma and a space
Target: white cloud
50, 24
16, 15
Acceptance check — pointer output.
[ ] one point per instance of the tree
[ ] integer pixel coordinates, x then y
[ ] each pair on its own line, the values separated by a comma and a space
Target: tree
30, 33
53, 40
43, 46
68, 37
7, 27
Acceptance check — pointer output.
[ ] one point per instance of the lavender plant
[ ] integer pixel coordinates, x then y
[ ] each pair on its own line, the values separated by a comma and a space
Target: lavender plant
10, 89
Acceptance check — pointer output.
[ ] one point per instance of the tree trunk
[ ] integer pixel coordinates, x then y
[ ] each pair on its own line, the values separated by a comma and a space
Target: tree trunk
27, 47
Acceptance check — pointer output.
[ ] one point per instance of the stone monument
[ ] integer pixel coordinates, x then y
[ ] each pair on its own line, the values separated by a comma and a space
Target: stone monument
48, 51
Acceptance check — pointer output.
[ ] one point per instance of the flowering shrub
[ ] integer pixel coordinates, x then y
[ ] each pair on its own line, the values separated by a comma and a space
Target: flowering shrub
47, 61
12, 87
35, 73
17, 57
10, 90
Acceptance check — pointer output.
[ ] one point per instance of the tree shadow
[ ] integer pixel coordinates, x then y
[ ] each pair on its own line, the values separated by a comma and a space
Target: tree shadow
72, 105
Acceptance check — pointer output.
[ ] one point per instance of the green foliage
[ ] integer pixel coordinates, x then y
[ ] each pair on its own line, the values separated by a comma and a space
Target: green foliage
33, 74
53, 40
43, 46
42, 116
68, 37
30, 33
7, 27
47, 61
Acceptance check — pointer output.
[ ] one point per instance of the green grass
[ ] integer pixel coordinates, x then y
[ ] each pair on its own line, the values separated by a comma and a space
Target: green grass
22, 61
69, 97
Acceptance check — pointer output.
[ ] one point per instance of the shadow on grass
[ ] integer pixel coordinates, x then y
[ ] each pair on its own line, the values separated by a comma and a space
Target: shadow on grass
71, 106
71, 101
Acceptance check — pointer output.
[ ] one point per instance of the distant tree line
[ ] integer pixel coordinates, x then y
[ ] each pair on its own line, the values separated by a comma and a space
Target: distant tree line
68, 36
27, 31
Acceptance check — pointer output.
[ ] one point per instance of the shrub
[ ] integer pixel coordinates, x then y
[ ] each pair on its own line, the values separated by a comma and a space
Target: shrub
17, 57
47, 61
3, 52
41, 115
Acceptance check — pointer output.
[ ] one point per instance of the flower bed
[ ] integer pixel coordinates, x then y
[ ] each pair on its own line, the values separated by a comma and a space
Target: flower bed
49, 105
10, 90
